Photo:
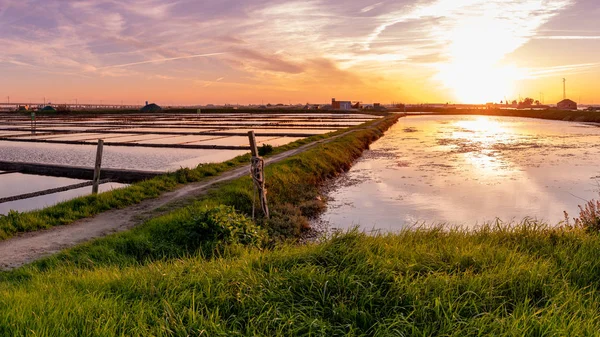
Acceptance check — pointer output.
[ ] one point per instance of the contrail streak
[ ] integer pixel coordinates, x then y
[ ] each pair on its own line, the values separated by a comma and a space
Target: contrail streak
159, 60
569, 37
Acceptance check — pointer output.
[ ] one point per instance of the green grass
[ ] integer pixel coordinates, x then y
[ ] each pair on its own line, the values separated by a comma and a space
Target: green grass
83, 207
525, 281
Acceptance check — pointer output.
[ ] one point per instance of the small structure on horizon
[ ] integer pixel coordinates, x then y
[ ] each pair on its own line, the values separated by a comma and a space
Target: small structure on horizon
341, 105
566, 104
151, 108
48, 108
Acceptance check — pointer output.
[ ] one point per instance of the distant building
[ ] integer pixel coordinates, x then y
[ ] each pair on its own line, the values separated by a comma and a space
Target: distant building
567, 104
341, 105
151, 108
48, 108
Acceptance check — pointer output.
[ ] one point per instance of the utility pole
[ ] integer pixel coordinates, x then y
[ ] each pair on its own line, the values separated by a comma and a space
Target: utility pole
564, 88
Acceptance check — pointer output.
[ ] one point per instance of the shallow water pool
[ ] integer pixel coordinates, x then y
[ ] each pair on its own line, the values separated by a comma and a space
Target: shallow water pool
469, 170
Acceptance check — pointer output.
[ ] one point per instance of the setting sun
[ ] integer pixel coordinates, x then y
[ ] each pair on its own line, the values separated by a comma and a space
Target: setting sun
477, 46
478, 83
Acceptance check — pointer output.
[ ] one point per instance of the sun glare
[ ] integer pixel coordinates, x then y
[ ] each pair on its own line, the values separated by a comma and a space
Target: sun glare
474, 72
484, 131
479, 84
482, 125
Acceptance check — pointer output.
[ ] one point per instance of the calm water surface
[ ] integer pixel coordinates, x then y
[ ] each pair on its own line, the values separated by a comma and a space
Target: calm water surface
467, 171
146, 159
18, 183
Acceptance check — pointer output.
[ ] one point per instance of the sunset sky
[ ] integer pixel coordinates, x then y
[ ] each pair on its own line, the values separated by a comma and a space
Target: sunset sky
253, 51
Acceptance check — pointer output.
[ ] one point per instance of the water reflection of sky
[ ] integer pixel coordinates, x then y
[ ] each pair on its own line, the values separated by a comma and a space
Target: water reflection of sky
466, 170
16, 183
134, 158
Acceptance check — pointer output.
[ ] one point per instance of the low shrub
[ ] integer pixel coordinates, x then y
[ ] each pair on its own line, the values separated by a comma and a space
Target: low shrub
286, 222
265, 149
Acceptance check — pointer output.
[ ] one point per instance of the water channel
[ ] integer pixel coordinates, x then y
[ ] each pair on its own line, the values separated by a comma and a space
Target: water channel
466, 171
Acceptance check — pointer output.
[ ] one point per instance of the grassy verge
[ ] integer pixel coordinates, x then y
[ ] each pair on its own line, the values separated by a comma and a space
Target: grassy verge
559, 115
528, 281
83, 207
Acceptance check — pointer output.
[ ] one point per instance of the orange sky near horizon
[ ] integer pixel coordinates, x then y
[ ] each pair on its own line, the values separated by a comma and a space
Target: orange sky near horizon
272, 51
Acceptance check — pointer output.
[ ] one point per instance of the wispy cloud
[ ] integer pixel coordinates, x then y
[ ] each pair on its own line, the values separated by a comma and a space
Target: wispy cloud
285, 46
370, 7
561, 70
569, 37
124, 65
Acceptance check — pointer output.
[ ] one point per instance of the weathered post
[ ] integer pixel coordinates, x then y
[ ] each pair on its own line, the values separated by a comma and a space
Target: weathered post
96, 180
258, 177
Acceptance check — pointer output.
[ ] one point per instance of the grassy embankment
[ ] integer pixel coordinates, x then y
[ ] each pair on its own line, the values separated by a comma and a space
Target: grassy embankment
559, 115
208, 270
527, 281
83, 207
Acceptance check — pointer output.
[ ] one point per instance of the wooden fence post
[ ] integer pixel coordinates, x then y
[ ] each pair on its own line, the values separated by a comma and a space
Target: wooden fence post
97, 166
258, 176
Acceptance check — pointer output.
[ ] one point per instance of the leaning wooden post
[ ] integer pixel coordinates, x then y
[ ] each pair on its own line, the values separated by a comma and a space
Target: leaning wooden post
96, 180
257, 172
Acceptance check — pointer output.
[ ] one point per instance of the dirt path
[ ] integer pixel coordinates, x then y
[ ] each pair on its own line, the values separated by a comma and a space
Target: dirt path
28, 247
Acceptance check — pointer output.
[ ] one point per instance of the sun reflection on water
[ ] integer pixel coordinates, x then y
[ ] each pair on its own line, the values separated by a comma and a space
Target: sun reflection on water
477, 140
483, 129
466, 170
